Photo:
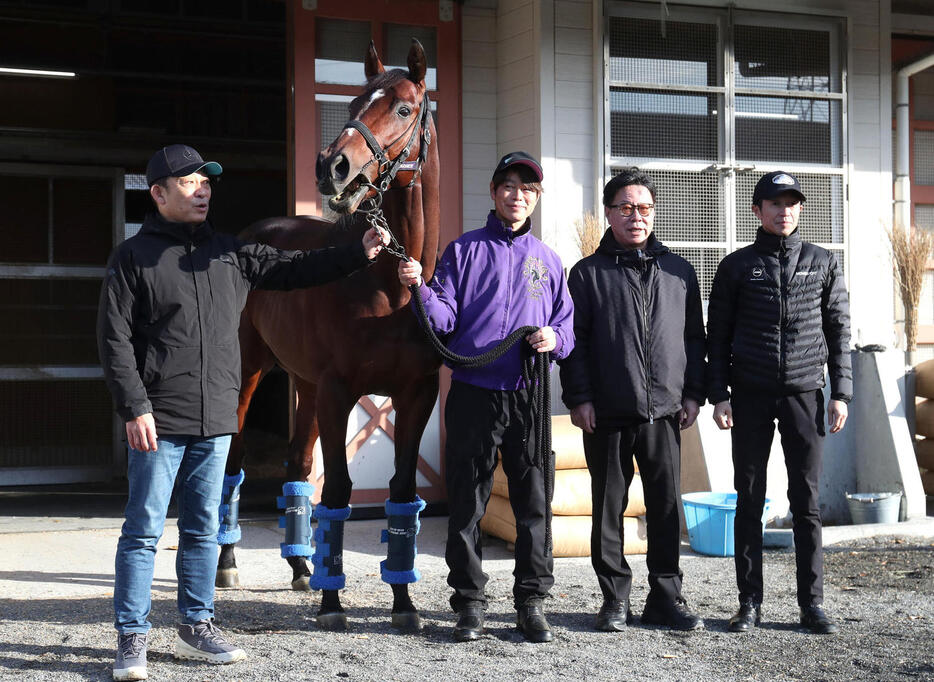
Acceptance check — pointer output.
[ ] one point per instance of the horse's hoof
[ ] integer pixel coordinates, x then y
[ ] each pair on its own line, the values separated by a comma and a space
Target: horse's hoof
227, 578
407, 620
332, 621
301, 584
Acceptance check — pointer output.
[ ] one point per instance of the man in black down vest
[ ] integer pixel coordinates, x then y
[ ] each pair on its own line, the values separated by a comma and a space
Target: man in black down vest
778, 313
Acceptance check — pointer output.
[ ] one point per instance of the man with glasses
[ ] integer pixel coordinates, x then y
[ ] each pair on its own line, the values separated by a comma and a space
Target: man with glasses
778, 313
488, 283
634, 379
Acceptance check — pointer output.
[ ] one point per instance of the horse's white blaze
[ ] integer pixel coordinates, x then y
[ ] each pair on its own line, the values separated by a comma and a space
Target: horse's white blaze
377, 94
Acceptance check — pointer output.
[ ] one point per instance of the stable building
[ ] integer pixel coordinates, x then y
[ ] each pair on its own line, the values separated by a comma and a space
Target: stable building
705, 94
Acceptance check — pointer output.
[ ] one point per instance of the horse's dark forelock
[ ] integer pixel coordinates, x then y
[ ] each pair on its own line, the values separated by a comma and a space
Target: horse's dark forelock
386, 80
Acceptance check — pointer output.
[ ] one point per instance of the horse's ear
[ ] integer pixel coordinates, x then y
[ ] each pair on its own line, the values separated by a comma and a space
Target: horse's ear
418, 64
373, 65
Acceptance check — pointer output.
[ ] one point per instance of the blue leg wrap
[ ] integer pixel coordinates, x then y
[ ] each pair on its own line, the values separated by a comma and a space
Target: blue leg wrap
329, 549
228, 532
297, 519
402, 520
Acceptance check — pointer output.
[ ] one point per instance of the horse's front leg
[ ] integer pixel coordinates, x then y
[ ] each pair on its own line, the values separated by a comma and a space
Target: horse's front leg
413, 410
334, 405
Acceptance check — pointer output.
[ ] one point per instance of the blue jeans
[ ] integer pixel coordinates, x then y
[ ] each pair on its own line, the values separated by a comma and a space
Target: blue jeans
198, 463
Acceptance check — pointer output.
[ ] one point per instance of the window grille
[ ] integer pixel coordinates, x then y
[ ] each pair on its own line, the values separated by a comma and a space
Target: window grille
713, 99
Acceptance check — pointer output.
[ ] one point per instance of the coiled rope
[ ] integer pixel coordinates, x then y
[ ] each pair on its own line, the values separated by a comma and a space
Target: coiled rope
535, 372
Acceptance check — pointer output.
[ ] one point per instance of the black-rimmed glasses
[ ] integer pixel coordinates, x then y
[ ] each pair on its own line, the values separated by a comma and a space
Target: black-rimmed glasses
626, 209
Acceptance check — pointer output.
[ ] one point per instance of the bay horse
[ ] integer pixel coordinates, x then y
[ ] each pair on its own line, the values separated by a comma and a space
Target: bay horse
356, 336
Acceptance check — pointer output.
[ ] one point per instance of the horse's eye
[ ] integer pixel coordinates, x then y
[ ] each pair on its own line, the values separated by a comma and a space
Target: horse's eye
404, 112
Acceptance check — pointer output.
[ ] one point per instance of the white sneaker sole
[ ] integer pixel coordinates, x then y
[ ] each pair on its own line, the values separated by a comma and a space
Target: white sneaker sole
137, 672
185, 651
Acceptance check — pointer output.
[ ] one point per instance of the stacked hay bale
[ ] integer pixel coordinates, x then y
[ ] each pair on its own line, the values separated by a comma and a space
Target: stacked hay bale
571, 506
924, 423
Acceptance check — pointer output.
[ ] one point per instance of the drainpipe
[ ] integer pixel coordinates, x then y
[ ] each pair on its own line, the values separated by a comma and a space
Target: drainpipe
903, 141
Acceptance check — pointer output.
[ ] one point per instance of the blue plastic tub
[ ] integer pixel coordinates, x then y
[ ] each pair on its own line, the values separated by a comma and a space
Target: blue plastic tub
709, 518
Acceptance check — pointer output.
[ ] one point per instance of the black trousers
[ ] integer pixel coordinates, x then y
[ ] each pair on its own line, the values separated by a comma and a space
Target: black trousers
479, 422
609, 453
801, 426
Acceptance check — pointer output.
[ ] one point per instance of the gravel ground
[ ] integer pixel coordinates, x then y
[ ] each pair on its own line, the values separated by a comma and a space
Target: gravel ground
881, 590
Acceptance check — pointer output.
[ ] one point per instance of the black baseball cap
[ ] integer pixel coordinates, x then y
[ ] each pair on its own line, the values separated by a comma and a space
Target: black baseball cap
520, 159
772, 184
177, 161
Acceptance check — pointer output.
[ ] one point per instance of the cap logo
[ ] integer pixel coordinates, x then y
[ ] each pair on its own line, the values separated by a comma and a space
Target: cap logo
783, 179
507, 160
187, 153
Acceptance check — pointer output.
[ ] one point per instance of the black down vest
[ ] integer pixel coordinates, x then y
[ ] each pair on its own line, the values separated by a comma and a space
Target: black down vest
778, 313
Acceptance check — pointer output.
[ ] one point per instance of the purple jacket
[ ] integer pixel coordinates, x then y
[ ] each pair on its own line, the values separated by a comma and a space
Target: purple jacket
489, 283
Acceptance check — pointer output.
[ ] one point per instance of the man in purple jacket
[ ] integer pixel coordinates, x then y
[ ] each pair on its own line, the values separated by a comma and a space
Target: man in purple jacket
489, 283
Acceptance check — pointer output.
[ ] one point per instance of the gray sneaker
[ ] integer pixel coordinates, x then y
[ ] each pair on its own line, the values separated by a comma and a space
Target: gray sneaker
204, 642
130, 663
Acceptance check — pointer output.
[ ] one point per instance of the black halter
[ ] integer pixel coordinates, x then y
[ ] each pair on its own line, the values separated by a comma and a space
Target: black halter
388, 168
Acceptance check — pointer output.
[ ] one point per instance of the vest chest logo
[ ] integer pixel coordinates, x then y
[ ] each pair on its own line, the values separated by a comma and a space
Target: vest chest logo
536, 274
758, 274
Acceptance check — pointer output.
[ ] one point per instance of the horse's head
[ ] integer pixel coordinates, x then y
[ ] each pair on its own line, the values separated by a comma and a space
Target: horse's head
382, 138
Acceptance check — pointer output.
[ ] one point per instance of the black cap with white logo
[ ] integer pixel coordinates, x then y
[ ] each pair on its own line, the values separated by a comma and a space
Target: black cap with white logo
772, 184
521, 159
177, 161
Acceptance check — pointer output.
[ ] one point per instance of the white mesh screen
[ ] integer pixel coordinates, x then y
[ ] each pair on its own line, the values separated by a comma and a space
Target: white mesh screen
705, 263
785, 58
663, 113
821, 216
399, 41
687, 55
663, 124
332, 116
340, 47
924, 157
924, 216
789, 129
688, 207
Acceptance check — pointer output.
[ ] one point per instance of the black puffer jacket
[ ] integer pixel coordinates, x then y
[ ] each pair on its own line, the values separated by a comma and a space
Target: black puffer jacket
778, 313
169, 315
639, 332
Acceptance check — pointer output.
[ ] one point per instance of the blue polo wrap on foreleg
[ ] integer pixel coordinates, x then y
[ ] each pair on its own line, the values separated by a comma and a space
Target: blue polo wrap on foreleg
296, 503
228, 532
329, 549
402, 527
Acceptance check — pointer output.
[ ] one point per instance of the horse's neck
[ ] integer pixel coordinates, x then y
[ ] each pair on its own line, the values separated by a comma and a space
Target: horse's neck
414, 217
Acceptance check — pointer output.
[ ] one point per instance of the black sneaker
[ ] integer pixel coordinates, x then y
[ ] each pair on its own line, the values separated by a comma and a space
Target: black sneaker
814, 620
613, 616
530, 619
204, 642
746, 618
130, 663
674, 615
470, 624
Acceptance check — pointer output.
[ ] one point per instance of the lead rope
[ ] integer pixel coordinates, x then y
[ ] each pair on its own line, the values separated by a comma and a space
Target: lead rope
535, 372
